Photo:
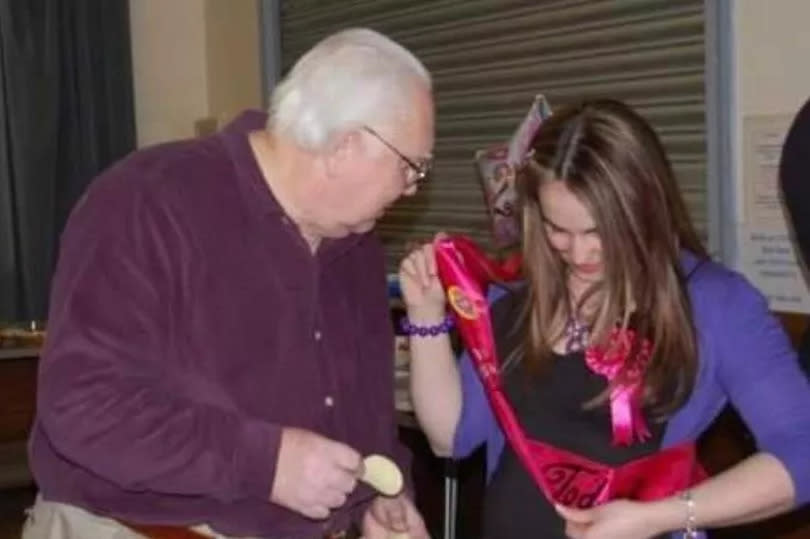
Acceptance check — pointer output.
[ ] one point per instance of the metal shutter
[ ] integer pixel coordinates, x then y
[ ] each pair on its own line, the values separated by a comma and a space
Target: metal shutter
489, 58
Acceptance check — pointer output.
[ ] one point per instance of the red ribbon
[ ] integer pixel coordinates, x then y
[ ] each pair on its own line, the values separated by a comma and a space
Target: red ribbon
563, 477
625, 397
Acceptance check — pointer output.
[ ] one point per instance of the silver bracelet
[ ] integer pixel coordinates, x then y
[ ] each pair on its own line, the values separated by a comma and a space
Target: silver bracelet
690, 527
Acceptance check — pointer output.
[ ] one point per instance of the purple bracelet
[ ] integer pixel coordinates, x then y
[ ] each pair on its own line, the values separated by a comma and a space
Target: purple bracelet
426, 331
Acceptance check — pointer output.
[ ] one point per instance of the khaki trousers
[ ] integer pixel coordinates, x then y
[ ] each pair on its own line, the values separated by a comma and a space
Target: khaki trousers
52, 520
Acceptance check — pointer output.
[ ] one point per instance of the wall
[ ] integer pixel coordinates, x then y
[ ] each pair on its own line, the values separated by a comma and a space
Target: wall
193, 61
771, 49
234, 80
772, 43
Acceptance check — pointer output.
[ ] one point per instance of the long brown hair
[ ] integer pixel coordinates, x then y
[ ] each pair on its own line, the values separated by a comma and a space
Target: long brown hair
613, 162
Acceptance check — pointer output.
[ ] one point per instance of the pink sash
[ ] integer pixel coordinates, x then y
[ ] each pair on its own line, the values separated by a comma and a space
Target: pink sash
562, 476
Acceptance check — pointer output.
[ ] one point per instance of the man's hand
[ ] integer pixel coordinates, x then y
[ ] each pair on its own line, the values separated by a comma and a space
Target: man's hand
314, 474
397, 515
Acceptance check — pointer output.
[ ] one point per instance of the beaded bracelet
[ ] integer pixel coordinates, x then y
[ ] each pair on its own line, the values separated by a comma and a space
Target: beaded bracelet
690, 529
426, 331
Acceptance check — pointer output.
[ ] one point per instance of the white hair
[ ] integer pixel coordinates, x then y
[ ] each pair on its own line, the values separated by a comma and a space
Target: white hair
349, 79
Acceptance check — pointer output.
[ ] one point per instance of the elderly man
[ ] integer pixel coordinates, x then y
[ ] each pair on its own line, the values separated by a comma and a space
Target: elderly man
219, 353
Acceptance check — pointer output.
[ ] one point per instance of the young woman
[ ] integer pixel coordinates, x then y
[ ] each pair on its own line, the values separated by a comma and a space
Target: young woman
607, 246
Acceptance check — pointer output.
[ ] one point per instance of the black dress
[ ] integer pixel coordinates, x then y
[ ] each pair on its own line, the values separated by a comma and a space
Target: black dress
550, 409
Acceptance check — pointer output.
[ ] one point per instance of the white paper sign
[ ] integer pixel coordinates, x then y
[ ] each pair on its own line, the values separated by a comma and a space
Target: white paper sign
769, 257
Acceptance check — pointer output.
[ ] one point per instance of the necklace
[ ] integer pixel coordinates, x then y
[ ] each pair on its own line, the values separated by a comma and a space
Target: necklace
576, 335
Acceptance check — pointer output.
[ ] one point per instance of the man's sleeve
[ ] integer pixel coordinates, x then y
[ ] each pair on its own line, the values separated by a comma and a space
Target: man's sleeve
103, 400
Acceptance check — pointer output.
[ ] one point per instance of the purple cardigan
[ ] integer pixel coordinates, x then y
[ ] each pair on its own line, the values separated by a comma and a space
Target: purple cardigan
745, 358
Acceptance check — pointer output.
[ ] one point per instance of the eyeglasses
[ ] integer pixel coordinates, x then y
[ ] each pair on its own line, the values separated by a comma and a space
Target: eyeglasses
418, 171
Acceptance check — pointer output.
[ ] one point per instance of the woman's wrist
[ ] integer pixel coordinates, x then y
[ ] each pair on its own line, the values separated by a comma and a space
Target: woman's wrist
668, 515
426, 326
426, 315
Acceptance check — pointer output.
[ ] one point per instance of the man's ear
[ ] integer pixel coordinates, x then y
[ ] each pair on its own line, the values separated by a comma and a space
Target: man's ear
342, 149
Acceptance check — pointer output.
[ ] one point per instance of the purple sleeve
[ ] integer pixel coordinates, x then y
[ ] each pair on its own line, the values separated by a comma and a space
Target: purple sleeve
760, 372
106, 399
477, 422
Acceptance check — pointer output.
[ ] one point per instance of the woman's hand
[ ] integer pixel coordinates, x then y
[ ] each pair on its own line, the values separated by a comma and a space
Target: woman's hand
620, 519
421, 289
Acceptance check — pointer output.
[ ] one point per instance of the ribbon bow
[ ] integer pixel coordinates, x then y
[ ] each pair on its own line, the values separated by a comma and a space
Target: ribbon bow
625, 396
